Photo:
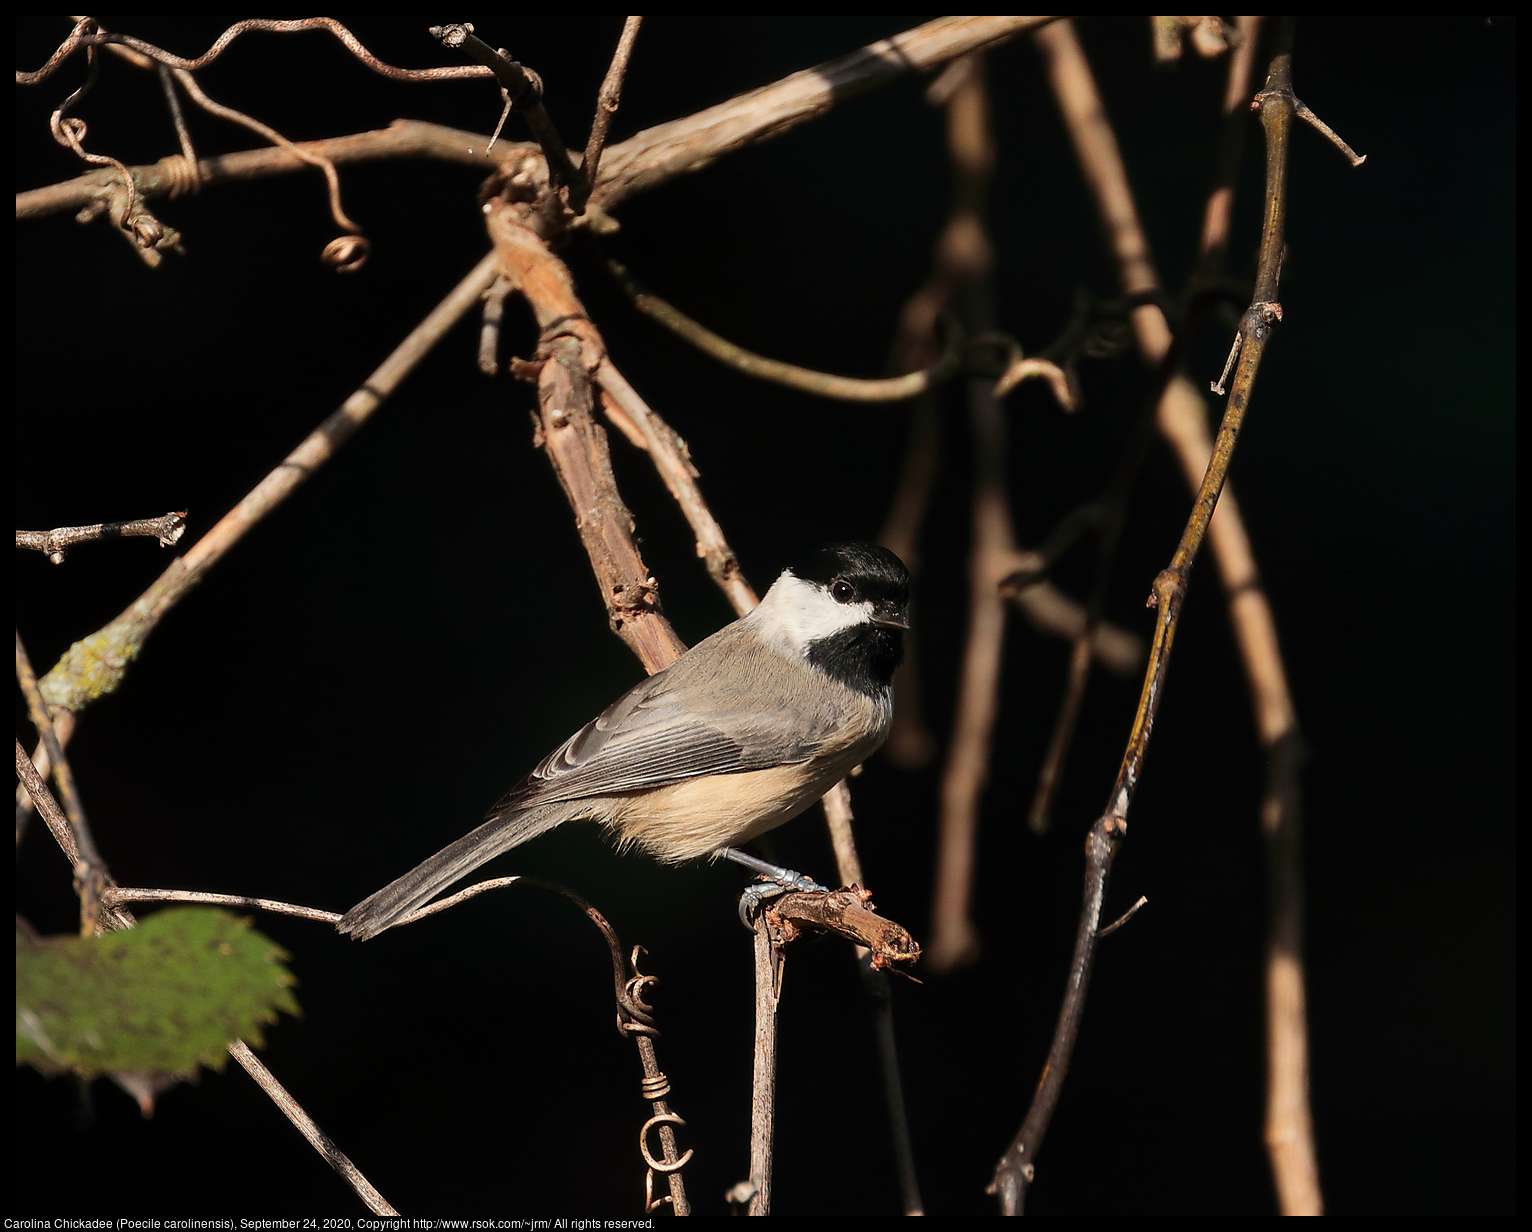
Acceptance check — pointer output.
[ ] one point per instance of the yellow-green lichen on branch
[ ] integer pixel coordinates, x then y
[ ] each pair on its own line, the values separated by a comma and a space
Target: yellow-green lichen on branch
93, 666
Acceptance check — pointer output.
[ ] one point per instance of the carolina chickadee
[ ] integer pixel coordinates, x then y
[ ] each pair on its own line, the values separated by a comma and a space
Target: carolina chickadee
738, 735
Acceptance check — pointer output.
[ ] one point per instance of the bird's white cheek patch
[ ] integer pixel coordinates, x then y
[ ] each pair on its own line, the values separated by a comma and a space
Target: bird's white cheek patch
795, 613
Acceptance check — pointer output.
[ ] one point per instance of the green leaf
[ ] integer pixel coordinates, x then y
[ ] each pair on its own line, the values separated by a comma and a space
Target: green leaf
159, 999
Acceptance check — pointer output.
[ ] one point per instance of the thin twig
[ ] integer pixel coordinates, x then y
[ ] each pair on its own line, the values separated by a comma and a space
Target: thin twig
671, 459
401, 139
1123, 918
524, 93
143, 894
52, 815
1334, 138
63, 728
306, 1126
875, 984
608, 99
58, 825
1289, 1129
824, 384
95, 665
167, 528
763, 1086
90, 872
875, 977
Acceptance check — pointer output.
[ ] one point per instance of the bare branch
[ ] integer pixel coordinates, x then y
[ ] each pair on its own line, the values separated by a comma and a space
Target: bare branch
167, 528
667, 150
90, 872
524, 93
140, 894
673, 462
169, 177
317, 1138
571, 349
63, 728
848, 913
607, 100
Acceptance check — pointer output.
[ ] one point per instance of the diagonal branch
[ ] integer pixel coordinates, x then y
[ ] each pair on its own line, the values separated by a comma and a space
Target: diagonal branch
665, 151
95, 665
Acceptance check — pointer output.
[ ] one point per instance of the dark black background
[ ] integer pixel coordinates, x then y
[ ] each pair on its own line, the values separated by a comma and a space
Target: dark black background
405, 636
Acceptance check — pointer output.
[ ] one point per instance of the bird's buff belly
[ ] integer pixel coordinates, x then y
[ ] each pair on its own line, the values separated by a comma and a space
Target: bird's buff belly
689, 820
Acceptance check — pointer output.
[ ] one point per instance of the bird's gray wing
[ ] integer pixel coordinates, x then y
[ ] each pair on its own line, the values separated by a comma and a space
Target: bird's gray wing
683, 722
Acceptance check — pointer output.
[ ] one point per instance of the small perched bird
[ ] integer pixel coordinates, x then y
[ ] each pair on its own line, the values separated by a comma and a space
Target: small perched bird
741, 733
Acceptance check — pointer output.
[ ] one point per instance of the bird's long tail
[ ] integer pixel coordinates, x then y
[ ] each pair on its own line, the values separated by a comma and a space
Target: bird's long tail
397, 899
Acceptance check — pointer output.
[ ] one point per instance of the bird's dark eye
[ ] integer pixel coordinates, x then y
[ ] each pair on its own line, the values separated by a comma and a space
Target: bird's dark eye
842, 591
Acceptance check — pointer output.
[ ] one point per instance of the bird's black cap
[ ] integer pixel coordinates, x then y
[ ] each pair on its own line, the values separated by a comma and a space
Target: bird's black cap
877, 573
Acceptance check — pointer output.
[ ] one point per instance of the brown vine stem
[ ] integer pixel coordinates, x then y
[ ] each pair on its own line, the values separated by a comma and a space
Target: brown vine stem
806, 380
1015, 1169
